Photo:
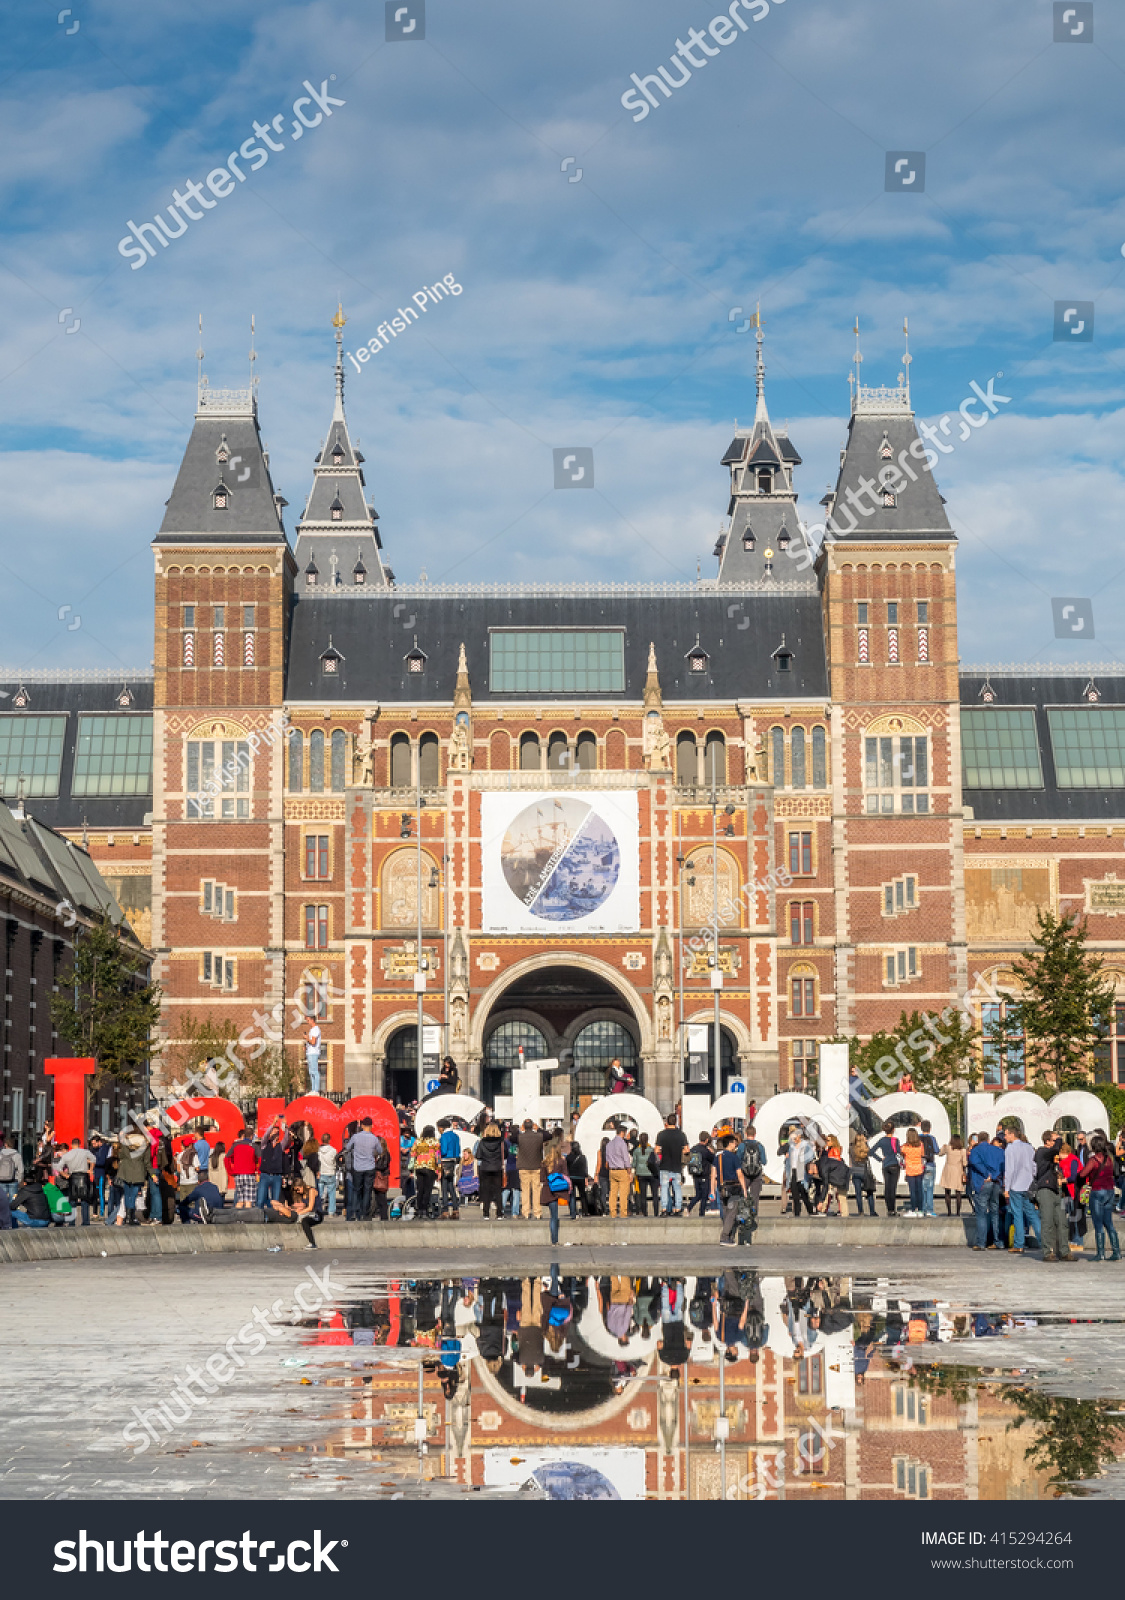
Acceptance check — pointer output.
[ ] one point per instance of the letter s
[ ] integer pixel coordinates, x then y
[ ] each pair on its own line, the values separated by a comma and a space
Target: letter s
66, 1560
749, 9
141, 1442
254, 150
225, 1552
129, 247
632, 100
921, 1044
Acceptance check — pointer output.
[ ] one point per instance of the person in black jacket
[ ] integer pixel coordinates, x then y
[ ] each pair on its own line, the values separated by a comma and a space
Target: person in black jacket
886, 1150
1053, 1229
577, 1171
490, 1169
272, 1168
29, 1203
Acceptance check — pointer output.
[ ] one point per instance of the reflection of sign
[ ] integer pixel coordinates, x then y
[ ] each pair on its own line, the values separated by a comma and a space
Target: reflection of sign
560, 863
1107, 896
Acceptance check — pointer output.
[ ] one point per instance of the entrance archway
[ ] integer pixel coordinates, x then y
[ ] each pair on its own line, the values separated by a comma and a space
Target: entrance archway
571, 1009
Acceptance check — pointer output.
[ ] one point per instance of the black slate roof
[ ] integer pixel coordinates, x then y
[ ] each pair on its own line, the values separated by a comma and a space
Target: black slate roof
251, 514
1050, 803
738, 628
920, 510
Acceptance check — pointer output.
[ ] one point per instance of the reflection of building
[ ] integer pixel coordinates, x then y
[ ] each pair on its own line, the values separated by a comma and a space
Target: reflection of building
818, 702
821, 1407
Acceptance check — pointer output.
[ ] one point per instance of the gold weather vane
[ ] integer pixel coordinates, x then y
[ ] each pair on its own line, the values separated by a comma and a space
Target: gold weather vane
339, 319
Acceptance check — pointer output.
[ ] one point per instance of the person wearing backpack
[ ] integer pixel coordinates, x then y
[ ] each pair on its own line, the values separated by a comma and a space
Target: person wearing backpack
728, 1186
863, 1182
11, 1167
554, 1185
889, 1152
701, 1158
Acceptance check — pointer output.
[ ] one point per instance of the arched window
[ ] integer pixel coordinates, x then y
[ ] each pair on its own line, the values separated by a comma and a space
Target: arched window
401, 777
339, 759
715, 759
797, 758
316, 761
296, 759
400, 1082
530, 757
819, 760
803, 999
501, 1054
586, 752
429, 763
558, 753
777, 757
687, 760
594, 1048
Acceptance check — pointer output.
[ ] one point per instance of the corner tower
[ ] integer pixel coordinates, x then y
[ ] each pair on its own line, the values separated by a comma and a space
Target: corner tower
224, 577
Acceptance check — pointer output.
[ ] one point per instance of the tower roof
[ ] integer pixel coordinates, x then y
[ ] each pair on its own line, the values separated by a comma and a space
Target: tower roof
223, 492
337, 508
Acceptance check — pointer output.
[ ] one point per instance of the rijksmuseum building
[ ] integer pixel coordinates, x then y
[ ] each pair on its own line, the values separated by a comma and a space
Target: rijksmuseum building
588, 764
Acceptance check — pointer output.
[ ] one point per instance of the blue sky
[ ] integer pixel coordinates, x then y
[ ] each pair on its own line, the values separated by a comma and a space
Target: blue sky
594, 312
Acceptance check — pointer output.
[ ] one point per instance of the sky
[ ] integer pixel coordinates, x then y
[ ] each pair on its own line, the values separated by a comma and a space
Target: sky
608, 267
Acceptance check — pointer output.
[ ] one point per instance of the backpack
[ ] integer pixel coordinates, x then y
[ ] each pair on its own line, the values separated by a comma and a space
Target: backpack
558, 1183
751, 1163
929, 1145
595, 1203
695, 1165
7, 1166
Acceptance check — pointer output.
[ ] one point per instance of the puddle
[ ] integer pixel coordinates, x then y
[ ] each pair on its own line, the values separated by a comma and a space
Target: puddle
744, 1386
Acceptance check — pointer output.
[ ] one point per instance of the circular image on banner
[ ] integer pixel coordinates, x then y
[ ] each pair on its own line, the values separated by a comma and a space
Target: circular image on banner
572, 1480
561, 859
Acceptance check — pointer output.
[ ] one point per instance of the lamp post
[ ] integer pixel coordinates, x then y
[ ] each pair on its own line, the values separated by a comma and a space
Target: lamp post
716, 970
420, 967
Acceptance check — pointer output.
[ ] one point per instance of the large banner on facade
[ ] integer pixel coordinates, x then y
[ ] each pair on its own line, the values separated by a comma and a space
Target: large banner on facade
560, 863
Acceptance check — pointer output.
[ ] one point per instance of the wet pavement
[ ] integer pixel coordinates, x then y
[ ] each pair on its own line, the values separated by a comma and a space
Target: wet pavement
837, 1372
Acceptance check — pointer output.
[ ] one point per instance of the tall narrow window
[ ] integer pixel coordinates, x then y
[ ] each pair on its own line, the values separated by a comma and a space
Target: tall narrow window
864, 647
558, 753
586, 751
296, 759
339, 759
892, 646
923, 644
797, 757
800, 854
687, 760
819, 759
316, 761
429, 761
715, 759
777, 757
401, 777
807, 922
530, 755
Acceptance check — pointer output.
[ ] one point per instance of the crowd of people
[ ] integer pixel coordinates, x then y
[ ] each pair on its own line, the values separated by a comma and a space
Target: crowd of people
1045, 1197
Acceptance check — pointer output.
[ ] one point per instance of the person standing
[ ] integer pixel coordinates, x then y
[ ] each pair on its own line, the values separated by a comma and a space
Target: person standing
216, 1169
78, 1166
671, 1143
134, 1170
953, 1172
490, 1169
101, 1149
577, 1172
929, 1170
752, 1153
986, 1174
644, 1171
450, 1153
618, 1164
512, 1195
798, 1158
554, 1184
242, 1165
11, 1166
913, 1165
427, 1155
863, 1182
1019, 1175
312, 1055
728, 1186
364, 1149
889, 1152
530, 1153
326, 1174
271, 1168
701, 1158
1098, 1173
1052, 1217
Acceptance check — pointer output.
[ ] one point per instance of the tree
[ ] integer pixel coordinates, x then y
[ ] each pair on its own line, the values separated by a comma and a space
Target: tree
105, 1008
1063, 1004
243, 1073
935, 1049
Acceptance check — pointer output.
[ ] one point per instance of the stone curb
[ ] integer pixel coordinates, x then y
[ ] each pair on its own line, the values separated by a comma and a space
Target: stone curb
53, 1244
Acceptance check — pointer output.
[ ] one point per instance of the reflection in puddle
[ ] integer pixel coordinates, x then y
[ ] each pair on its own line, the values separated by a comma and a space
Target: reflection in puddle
740, 1387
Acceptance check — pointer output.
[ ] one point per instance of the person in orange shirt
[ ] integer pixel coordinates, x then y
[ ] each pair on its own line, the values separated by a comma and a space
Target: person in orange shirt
913, 1164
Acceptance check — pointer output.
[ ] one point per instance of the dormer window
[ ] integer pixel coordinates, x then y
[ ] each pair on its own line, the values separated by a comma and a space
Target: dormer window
312, 573
416, 659
697, 658
783, 656
337, 453
889, 498
748, 538
330, 662
336, 509
359, 572
765, 480
220, 498
783, 539
886, 453
1091, 692
222, 454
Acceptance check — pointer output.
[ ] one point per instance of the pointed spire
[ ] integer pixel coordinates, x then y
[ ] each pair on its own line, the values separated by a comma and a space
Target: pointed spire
462, 692
338, 322
907, 358
760, 412
653, 699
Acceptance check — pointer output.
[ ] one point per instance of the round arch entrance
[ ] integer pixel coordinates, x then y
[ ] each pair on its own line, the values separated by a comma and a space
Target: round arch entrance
564, 1011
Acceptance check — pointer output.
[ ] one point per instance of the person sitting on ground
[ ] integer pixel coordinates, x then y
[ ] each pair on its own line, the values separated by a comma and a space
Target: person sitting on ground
30, 1208
204, 1198
306, 1207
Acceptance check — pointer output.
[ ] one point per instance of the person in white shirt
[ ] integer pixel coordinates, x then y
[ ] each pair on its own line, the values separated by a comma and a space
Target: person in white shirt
326, 1179
312, 1056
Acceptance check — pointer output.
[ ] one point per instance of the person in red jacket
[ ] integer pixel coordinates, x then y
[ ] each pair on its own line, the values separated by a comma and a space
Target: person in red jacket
242, 1165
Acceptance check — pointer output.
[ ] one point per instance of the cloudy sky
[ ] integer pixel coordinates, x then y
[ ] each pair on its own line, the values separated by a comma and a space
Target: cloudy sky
597, 310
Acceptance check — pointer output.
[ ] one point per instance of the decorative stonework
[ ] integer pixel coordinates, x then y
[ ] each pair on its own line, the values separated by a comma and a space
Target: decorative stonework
325, 810
802, 806
217, 728
400, 962
700, 963
1105, 895
897, 724
633, 961
488, 961
1003, 893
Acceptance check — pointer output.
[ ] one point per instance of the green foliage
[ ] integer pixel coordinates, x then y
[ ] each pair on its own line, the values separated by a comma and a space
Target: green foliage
1063, 1001
104, 1007
1075, 1439
940, 1058
242, 1074
1113, 1099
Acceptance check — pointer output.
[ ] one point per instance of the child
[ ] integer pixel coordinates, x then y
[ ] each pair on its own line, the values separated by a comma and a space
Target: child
468, 1184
